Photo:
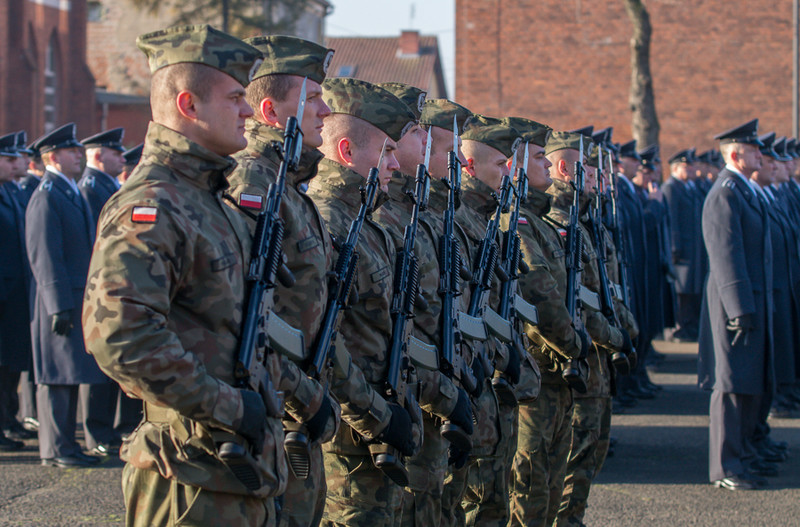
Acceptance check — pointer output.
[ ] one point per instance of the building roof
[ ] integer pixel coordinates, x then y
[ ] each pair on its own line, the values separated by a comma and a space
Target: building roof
382, 59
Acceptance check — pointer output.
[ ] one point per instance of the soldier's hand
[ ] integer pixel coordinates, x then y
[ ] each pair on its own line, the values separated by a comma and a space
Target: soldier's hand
61, 323
514, 368
316, 425
456, 457
462, 413
254, 420
480, 377
740, 325
586, 342
627, 343
398, 432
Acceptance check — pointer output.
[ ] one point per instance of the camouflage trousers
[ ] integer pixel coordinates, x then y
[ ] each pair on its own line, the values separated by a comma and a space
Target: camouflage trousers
359, 495
478, 493
591, 432
422, 499
151, 500
543, 443
304, 499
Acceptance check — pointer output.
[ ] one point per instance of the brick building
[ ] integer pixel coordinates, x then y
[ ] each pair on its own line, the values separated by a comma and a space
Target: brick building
44, 78
715, 64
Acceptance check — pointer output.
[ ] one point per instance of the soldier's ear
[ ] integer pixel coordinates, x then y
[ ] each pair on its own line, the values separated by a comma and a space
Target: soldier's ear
344, 151
266, 112
185, 103
470, 166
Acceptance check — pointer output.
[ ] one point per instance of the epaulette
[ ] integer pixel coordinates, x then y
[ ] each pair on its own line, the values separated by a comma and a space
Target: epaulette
729, 183
46, 185
88, 182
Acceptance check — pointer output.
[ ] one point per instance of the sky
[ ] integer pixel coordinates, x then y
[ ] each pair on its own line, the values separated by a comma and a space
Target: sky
372, 18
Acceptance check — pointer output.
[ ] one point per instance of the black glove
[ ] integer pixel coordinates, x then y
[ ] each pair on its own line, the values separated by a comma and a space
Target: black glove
61, 323
456, 457
316, 425
586, 343
627, 343
740, 325
398, 432
462, 413
514, 367
254, 420
480, 377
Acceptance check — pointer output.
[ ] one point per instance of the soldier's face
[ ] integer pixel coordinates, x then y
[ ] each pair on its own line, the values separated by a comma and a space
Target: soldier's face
365, 157
442, 145
220, 119
538, 168
766, 174
68, 161
411, 150
112, 161
781, 173
6, 168
749, 159
313, 115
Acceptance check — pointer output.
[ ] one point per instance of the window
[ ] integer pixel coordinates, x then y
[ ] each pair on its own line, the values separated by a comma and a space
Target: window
95, 11
50, 86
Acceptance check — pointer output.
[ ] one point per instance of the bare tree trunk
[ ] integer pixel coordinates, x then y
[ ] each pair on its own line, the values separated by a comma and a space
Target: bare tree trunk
644, 120
225, 9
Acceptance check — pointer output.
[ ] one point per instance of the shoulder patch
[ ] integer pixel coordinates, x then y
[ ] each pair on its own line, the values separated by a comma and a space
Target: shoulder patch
144, 214
88, 182
46, 186
729, 183
562, 232
522, 220
251, 201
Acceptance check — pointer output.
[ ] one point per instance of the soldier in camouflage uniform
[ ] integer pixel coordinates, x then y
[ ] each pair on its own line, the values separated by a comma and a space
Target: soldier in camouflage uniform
545, 427
488, 144
438, 396
590, 409
164, 300
364, 117
308, 252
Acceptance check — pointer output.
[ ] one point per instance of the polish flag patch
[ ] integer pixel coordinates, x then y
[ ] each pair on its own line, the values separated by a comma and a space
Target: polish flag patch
251, 201
522, 220
144, 215
562, 232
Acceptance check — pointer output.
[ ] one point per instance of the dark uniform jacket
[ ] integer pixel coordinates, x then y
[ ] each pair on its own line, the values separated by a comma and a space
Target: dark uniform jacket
15, 279
27, 186
739, 246
59, 233
685, 211
96, 187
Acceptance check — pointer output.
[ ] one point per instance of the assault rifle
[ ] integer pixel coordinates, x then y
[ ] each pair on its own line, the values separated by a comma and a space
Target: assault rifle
405, 348
616, 232
512, 306
455, 325
262, 328
484, 269
618, 358
572, 372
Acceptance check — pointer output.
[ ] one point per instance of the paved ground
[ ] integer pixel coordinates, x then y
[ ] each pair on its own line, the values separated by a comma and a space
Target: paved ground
657, 477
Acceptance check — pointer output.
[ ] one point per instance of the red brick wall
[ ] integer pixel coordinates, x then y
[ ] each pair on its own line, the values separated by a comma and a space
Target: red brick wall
715, 64
25, 31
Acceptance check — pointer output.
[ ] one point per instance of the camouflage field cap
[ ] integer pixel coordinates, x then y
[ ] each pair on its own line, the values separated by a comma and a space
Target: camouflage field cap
566, 141
530, 131
413, 97
201, 44
492, 132
440, 112
369, 102
291, 56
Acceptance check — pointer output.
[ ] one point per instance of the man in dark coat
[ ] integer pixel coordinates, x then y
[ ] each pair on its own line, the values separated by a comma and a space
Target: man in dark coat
59, 233
735, 360
684, 201
9, 276
31, 174
101, 402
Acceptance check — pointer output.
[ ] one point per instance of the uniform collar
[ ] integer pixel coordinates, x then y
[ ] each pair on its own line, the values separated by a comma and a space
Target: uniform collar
399, 185
477, 195
69, 181
539, 202
187, 158
260, 138
437, 201
345, 183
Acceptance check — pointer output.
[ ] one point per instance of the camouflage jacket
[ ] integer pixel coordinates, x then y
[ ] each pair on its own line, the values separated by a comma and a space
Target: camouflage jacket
437, 394
366, 325
602, 333
163, 313
545, 286
624, 314
477, 209
307, 250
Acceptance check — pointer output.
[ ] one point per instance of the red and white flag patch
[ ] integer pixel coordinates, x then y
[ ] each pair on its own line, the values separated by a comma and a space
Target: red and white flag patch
562, 232
522, 220
144, 214
251, 201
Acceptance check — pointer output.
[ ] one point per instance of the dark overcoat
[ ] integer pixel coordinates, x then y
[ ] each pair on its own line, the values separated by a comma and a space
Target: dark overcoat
96, 187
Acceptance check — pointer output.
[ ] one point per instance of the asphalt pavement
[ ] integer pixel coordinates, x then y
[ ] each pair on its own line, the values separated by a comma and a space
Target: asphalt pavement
657, 477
